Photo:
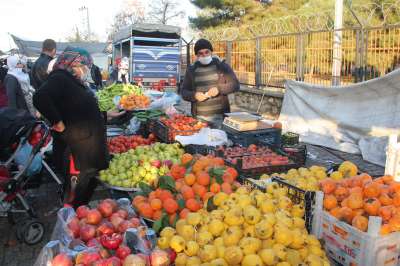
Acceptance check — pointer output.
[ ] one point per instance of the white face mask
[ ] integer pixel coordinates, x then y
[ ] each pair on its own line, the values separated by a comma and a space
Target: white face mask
205, 60
85, 76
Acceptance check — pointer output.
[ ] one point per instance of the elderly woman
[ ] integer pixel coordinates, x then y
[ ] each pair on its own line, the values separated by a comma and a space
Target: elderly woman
66, 101
16, 82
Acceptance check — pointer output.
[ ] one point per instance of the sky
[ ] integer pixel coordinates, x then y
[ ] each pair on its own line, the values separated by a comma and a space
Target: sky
40, 19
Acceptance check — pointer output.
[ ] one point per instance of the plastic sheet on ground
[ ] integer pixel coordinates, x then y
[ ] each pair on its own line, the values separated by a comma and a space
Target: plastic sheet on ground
206, 136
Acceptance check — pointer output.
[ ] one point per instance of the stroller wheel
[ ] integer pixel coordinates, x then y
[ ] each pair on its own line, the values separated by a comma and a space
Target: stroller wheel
31, 232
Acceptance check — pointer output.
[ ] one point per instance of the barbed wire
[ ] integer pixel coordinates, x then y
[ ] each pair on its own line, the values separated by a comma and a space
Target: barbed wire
369, 15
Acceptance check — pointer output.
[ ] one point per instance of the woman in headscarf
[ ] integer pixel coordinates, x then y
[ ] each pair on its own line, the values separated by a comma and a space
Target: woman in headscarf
16, 82
121, 74
66, 101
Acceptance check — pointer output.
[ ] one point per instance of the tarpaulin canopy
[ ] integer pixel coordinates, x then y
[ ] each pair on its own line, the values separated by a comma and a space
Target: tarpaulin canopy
354, 119
34, 48
148, 30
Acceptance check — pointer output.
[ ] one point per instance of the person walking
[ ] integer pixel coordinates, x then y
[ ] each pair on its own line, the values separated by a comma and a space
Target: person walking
39, 71
207, 84
72, 109
17, 84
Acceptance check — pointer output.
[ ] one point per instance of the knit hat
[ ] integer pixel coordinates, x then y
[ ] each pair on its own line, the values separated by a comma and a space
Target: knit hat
202, 44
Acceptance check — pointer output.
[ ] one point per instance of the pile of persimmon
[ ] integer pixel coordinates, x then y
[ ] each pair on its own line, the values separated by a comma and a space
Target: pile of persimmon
133, 101
355, 199
195, 180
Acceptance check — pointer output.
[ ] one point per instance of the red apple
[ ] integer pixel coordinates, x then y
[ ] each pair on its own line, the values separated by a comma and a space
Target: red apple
87, 232
94, 242
122, 213
172, 255
136, 260
159, 258
93, 217
61, 259
87, 258
156, 163
82, 211
113, 203
105, 228
124, 226
105, 208
115, 219
74, 227
135, 222
122, 252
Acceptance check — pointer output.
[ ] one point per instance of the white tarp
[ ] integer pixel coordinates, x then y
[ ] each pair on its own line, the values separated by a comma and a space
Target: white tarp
354, 119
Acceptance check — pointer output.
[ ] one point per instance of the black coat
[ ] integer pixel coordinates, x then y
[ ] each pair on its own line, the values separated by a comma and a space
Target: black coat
39, 70
15, 96
227, 83
63, 98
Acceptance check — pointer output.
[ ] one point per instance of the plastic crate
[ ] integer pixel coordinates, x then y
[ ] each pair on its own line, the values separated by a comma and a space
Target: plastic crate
297, 152
346, 245
199, 149
270, 169
166, 134
290, 139
300, 196
270, 136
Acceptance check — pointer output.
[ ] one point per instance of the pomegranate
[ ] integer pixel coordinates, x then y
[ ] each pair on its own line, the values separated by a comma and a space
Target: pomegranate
105, 208
87, 232
113, 203
135, 222
114, 261
122, 252
93, 217
115, 219
87, 258
124, 226
122, 213
105, 228
82, 211
74, 227
61, 259
134, 260
159, 258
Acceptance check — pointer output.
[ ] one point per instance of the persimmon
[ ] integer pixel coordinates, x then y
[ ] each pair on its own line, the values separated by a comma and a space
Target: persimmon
387, 179
145, 210
203, 178
341, 193
372, 190
157, 215
170, 206
198, 166
346, 214
347, 182
371, 206
138, 199
172, 219
186, 158
360, 222
226, 187
207, 195
386, 212
215, 188
357, 181
394, 224
217, 161
232, 171
165, 194
385, 200
328, 185
183, 213
187, 193
356, 190
192, 205
190, 179
179, 184
335, 212
394, 187
156, 204
358, 212
177, 171
385, 189
379, 181
199, 190
385, 229
355, 201
344, 202
366, 178
396, 199
330, 202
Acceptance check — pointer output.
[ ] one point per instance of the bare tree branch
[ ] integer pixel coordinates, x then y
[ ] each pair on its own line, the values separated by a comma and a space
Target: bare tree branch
164, 11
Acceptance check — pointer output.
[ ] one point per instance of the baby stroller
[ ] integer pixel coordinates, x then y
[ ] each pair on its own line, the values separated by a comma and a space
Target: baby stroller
17, 130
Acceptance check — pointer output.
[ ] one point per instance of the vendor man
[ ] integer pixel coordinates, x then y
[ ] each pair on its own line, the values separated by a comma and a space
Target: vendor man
207, 84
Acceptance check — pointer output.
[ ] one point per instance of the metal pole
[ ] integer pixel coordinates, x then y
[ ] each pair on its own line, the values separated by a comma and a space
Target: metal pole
337, 43
88, 23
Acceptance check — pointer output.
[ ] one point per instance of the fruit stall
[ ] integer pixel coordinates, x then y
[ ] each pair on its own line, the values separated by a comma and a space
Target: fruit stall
249, 201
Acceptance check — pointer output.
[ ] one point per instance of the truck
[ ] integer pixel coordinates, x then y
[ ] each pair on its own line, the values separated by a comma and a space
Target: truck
154, 52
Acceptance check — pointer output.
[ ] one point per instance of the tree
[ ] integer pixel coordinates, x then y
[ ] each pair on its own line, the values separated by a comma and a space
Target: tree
165, 11
132, 12
75, 36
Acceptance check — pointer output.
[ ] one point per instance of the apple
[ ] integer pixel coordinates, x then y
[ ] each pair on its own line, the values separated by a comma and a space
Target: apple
93, 217
123, 251
113, 203
105, 228
82, 211
135, 222
94, 242
159, 258
135, 260
87, 257
172, 255
74, 227
61, 259
156, 163
116, 219
105, 208
124, 226
87, 232
122, 213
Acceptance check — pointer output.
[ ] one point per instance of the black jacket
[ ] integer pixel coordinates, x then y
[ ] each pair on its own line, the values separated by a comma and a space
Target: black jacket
227, 83
15, 96
63, 98
39, 70
96, 76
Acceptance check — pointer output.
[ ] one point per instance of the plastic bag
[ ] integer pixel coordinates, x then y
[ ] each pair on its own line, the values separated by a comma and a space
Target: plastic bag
133, 127
22, 157
206, 136
167, 100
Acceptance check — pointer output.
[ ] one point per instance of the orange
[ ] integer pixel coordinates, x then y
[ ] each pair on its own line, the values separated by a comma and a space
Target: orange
203, 178
156, 204
190, 179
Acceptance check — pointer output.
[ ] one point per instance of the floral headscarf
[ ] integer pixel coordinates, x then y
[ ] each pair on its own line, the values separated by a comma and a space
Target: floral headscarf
73, 57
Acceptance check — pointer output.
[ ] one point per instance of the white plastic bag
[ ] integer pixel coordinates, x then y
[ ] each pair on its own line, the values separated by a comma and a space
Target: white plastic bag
167, 100
206, 136
133, 127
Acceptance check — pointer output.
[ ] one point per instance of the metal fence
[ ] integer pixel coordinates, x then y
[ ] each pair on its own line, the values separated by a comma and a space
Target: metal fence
366, 54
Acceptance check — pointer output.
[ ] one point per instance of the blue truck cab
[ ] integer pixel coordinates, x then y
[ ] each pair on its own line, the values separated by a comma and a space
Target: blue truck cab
154, 52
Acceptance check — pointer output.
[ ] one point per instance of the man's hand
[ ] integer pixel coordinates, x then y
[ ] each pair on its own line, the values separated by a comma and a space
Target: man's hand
59, 127
113, 114
201, 97
213, 91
